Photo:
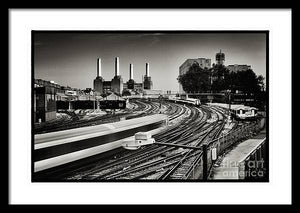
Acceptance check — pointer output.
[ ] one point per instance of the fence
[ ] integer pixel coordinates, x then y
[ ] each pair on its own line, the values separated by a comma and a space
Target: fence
202, 166
253, 166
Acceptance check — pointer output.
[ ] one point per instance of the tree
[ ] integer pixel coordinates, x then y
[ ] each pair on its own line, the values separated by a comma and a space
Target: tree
198, 80
261, 84
195, 79
247, 82
221, 78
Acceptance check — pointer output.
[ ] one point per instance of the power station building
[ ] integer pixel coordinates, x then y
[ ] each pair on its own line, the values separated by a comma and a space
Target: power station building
147, 79
130, 83
116, 85
117, 81
99, 81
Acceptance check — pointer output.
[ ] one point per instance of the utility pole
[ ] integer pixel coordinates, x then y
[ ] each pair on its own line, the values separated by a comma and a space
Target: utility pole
94, 102
204, 160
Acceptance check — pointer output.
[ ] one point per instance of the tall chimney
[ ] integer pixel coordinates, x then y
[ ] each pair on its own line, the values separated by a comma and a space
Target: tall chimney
117, 71
147, 70
99, 67
130, 71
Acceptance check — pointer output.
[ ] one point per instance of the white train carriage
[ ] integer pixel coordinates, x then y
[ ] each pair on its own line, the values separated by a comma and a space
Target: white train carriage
62, 147
189, 101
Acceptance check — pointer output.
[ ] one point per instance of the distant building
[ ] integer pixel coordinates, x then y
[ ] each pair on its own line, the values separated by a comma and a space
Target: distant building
220, 58
117, 81
153, 92
147, 83
98, 82
237, 67
44, 103
116, 85
43, 83
98, 85
131, 85
202, 62
130, 82
106, 86
147, 79
138, 87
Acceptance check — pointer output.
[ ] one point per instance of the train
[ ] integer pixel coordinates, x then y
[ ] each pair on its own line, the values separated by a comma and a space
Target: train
58, 148
188, 101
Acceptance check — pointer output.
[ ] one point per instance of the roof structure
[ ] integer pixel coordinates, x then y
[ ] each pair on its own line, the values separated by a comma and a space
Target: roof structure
113, 97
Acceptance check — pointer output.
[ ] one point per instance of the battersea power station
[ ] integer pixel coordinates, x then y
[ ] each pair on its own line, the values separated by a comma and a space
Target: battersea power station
117, 85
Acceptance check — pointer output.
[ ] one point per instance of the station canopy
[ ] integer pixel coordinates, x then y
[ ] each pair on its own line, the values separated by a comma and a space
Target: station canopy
243, 107
113, 97
62, 96
233, 106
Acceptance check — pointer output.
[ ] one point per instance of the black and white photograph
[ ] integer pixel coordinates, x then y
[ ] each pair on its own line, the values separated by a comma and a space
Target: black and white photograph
146, 106
150, 106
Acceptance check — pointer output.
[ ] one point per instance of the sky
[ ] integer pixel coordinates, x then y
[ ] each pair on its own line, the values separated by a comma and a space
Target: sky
70, 58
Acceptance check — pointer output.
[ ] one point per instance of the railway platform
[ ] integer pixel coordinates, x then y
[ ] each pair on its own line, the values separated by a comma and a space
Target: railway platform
245, 161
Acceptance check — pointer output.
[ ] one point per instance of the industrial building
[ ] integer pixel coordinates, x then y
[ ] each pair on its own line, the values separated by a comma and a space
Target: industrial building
99, 81
50, 97
117, 81
44, 104
116, 85
237, 67
46, 95
131, 84
147, 79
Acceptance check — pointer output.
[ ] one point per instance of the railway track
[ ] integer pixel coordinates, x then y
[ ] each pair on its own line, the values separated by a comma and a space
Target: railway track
191, 126
130, 158
152, 161
183, 167
87, 164
172, 168
76, 119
